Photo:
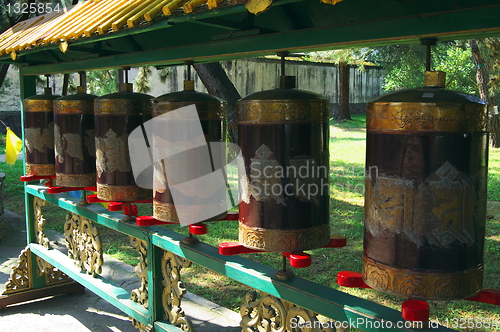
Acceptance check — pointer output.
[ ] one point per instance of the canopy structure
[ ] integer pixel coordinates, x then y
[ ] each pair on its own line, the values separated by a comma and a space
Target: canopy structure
168, 32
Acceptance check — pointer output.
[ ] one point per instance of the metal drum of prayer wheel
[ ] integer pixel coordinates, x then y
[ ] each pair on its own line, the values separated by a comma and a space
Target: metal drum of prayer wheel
284, 188
116, 116
212, 116
74, 139
39, 133
425, 192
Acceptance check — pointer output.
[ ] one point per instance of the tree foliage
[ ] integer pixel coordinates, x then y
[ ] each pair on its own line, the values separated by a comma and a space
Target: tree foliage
404, 65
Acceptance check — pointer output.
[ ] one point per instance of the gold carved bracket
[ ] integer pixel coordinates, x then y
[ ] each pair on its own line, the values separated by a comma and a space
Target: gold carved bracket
83, 242
41, 238
174, 290
21, 277
140, 295
273, 314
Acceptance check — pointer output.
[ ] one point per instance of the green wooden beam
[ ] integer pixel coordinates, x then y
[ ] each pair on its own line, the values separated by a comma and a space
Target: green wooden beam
321, 299
114, 295
445, 26
93, 212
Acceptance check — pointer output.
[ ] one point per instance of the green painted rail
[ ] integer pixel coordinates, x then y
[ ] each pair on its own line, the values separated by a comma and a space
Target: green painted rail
326, 301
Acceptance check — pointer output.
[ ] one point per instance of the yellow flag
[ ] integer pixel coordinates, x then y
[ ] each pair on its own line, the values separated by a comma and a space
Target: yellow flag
13, 146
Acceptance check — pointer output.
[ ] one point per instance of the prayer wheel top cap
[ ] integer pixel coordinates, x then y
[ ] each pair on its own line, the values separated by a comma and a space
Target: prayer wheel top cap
432, 92
44, 96
284, 94
188, 96
77, 96
428, 95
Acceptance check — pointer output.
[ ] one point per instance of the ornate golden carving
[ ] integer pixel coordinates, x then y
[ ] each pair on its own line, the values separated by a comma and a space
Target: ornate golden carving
273, 314
122, 193
419, 284
123, 106
282, 111
74, 106
67, 144
83, 242
174, 290
112, 153
263, 176
20, 276
165, 212
40, 169
52, 274
41, 238
141, 327
39, 139
75, 180
438, 211
37, 105
284, 239
140, 295
426, 117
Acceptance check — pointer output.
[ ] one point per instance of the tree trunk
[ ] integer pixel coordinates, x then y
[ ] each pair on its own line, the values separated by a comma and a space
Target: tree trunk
218, 84
65, 84
344, 111
482, 78
3, 73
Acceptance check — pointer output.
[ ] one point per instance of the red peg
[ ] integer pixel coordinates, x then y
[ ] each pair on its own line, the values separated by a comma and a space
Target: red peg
93, 199
234, 248
130, 210
298, 259
490, 296
416, 311
198, 229
336, 241
145, 221
57, 190
90, 188
115, 206
27, 178
351, 279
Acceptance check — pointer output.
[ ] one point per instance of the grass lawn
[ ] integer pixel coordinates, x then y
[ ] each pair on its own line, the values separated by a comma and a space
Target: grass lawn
347, 155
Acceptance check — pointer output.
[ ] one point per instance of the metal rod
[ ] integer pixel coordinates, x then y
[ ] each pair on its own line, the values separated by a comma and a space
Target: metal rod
189, 63
83, 78
47, 79
428, 57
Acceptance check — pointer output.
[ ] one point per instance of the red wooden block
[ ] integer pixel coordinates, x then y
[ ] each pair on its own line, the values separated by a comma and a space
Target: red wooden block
351, 279
416, 311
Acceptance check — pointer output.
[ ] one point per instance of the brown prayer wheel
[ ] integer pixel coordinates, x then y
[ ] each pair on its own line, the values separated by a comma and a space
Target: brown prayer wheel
212, 114
284, 191
74, 140
425, 198
116, 116
39, 133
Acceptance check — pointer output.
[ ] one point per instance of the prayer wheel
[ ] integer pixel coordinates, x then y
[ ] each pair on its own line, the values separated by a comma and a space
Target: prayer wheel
74, 140
212, 114
425, 192
39, 133
116, 116
284, 190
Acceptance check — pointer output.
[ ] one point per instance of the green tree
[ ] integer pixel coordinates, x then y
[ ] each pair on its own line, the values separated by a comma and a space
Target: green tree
404, 65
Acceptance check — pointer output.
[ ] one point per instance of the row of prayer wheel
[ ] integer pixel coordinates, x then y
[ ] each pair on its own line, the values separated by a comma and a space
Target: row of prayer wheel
426, 167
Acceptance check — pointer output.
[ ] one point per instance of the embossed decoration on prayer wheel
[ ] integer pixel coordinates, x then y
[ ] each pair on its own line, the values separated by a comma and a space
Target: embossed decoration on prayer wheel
39, 133
284, 190
116, 116
425, 193
212, 115
74, 140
